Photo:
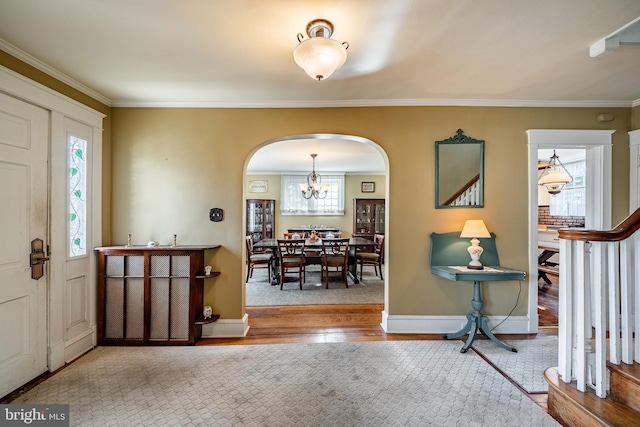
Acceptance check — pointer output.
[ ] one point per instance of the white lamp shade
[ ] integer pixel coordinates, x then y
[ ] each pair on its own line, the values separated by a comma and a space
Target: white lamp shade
319, 57
475, 228
554, 177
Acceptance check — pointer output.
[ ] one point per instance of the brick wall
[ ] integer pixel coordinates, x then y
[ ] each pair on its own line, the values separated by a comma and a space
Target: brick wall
544, 217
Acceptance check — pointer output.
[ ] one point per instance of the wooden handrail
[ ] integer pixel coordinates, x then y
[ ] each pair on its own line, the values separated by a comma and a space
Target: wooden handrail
623, 230
462, 190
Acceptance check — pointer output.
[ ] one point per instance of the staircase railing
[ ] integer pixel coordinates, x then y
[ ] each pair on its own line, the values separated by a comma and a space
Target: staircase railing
467, 195
599, 302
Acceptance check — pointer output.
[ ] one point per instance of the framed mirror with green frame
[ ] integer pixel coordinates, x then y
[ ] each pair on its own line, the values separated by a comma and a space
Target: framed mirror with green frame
459, 172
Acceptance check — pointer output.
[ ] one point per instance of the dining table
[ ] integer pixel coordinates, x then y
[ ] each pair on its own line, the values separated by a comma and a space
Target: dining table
355, 244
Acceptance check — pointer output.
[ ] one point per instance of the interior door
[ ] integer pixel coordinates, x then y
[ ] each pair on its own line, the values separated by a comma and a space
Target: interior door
24, 136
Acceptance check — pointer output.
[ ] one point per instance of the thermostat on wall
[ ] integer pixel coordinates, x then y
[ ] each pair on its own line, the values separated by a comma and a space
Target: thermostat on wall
216, 214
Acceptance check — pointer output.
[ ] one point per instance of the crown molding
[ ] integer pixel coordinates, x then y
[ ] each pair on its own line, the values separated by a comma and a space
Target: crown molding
418, 102
47, 69
428, 102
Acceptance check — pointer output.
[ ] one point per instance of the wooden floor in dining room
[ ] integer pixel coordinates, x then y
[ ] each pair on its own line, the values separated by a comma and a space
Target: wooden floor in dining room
357, 322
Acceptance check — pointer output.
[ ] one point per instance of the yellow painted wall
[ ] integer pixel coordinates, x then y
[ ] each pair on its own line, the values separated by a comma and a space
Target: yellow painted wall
164, 169
635, 122
170, 166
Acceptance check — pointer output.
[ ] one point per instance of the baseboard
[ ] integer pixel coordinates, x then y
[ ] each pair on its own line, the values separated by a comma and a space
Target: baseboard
56, 356
79, 346
416, 324
227, 328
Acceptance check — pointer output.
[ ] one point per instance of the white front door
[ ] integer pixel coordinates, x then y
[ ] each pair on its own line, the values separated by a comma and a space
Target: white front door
24, 136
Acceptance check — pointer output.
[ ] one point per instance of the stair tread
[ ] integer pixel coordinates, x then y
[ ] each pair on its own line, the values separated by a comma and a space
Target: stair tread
609, 411
630, 372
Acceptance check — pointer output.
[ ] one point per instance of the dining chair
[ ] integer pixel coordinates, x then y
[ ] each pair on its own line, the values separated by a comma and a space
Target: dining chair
335, 255
374, 258
291, 257
257, 259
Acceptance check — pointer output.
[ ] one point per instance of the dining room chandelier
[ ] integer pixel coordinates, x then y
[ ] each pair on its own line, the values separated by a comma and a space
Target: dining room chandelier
319, 55
553, 178
314, 186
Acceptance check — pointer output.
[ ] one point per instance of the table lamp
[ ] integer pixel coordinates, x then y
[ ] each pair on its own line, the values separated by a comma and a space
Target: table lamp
475, 228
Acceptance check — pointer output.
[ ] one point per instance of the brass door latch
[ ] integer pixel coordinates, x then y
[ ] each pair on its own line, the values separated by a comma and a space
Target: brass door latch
38, 258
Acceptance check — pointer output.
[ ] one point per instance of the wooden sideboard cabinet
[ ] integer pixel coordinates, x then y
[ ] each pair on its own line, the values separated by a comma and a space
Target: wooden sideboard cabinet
151, 295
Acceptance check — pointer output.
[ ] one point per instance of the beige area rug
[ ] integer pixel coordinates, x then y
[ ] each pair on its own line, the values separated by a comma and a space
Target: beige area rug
261, 293
527, 366
393, 383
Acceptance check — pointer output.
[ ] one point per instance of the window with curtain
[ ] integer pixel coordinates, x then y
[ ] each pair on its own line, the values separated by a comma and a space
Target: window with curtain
571, 200
292, 202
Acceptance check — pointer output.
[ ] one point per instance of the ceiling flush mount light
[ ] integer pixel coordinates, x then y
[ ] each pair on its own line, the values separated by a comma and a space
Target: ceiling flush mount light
314, 186
319, 55
553, 177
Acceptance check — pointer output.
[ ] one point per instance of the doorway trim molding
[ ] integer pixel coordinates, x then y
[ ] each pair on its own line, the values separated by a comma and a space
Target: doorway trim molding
634, 170
59, 107
597, 144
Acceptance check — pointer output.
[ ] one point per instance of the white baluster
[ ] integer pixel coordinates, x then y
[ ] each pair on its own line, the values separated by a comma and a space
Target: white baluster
565, 312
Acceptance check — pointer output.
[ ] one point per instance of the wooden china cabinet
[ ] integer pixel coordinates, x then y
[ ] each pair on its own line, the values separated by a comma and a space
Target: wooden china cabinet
368, 217
261, 219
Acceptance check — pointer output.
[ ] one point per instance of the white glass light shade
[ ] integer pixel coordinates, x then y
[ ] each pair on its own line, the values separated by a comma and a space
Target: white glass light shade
554, 181
319, 57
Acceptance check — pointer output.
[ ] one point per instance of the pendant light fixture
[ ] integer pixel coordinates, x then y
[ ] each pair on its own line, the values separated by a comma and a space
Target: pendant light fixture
314, 186
555, 176
319, 55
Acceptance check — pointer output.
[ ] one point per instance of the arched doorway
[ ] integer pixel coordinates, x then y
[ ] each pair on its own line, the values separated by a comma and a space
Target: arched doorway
358, 159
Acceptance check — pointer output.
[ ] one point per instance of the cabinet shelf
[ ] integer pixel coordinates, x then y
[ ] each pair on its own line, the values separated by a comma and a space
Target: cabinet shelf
200, 320
207, 276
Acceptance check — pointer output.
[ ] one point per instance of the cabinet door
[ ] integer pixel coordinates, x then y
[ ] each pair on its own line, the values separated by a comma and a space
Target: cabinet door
169, 297
260, 219
362, 217
378, 218
124, 297
269, 218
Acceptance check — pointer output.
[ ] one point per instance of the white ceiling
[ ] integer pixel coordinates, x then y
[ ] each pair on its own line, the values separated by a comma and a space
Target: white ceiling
238, 53
352, 156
